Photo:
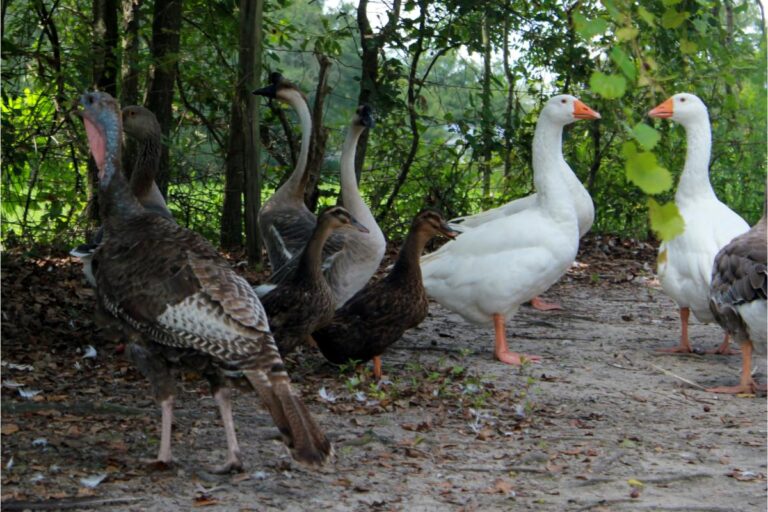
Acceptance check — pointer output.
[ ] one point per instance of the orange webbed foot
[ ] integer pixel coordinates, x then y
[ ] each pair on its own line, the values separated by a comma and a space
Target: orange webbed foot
747, 389
517, 359
542, 305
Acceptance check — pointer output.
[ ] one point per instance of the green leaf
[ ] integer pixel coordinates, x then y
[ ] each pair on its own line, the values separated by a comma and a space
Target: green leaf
688, 47
670, 3
624, 62
673, 19
589, 28
646, 135
665, 219
644, 171
610, 87
627, 33
646, 15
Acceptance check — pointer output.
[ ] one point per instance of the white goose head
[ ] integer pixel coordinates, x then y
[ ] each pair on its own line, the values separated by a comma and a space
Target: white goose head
565, 109
685, 108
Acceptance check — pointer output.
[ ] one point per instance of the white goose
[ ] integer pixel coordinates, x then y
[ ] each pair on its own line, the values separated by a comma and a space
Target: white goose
486, 273
585, 216
685, 262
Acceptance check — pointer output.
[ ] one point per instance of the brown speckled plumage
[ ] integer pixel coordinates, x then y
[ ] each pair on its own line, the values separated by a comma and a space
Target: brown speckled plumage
380, 313
169, 284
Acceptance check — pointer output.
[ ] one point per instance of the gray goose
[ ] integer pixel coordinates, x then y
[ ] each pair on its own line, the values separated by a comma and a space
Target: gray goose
169, 287
140, 124
350, 258
284, 220
379, 314
303, 302
737, 298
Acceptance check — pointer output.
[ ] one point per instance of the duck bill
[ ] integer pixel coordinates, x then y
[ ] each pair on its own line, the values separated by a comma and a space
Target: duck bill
582, 111
359, 226
448, 231
663, 110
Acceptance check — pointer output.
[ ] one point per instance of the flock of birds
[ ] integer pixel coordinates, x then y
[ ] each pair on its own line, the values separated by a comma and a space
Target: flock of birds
178, 301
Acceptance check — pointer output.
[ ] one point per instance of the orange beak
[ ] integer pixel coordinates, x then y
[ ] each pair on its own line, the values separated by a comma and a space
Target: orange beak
582, 111
663, 110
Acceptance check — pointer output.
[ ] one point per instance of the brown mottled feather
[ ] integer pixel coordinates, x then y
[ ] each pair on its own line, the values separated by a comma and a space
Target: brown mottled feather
739, 276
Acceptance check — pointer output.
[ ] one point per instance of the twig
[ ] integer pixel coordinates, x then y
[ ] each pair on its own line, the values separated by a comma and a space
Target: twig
66, 503
678, 377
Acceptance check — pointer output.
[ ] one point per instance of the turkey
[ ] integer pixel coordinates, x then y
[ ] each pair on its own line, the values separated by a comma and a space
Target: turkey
170, 288
140, 124
304, 302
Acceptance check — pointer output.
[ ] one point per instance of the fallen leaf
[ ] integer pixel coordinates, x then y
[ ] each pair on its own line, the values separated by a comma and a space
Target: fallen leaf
9, 428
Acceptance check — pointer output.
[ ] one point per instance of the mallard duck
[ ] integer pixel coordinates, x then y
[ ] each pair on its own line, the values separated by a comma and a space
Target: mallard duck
379, 314
284, 220
350, 258
303, 302
486, 273
170, 289
737, 298
685, 262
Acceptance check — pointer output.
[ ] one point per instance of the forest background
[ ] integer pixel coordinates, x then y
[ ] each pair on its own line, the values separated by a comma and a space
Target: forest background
456, 86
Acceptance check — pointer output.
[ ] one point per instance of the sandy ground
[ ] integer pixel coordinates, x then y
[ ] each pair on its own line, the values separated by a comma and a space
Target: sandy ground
598, 425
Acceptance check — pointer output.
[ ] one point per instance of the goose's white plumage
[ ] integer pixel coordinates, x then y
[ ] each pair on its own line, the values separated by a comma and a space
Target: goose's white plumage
488, 271
685, 262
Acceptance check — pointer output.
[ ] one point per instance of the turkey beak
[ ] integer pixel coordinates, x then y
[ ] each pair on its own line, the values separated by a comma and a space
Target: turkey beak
448, 231
663, 110
359, 226
582, 111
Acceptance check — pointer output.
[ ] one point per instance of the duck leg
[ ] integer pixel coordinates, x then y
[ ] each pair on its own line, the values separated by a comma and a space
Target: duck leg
685, 343
501, 350
724, 349
747, 384
542, 305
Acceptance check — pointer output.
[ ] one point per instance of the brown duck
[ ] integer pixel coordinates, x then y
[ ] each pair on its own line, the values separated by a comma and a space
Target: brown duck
304, 301
170, 288
380, 313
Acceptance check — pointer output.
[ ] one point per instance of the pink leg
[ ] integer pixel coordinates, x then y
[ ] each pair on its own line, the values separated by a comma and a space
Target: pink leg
501, 350
224, 401
685, 344
746, 383
541, 305
164, 459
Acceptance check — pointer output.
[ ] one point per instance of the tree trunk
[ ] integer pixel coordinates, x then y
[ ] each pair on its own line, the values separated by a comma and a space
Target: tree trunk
369, 75
129, 72
251, 37
105, 73
319, 134
487, 115
231, 234
166, 29
510, 77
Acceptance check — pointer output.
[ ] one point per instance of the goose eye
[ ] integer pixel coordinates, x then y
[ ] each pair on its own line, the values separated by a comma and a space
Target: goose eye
682, 100
563, 101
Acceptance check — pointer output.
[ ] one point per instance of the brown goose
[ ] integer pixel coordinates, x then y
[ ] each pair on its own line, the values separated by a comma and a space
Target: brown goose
303, 302
737, 298
168, 285
140, 124
285, 221
350, 258
379, 314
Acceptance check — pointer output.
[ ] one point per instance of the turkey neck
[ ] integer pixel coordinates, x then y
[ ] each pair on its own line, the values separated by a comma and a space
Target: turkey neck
350, 193
694, 181
294, 186
549, 168
116, 201
311, 258
407, 264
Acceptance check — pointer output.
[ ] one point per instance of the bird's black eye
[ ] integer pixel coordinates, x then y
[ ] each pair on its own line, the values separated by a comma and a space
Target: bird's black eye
682, 99
563, 101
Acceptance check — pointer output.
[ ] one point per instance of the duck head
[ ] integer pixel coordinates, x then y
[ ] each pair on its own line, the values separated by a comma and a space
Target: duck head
337, 217
431, 222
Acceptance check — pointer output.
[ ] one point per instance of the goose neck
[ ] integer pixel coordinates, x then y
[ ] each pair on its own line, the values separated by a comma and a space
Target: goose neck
146, 167
350, 193
694, 181
299, 177
548, 160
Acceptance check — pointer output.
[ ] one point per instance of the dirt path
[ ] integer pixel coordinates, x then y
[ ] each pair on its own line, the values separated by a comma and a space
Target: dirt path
453, 430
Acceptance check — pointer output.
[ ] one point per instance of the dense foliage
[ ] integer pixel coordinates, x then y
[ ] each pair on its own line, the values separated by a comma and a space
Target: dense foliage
459, 86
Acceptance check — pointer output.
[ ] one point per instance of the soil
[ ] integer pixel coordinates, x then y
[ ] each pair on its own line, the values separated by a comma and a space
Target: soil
604, 423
